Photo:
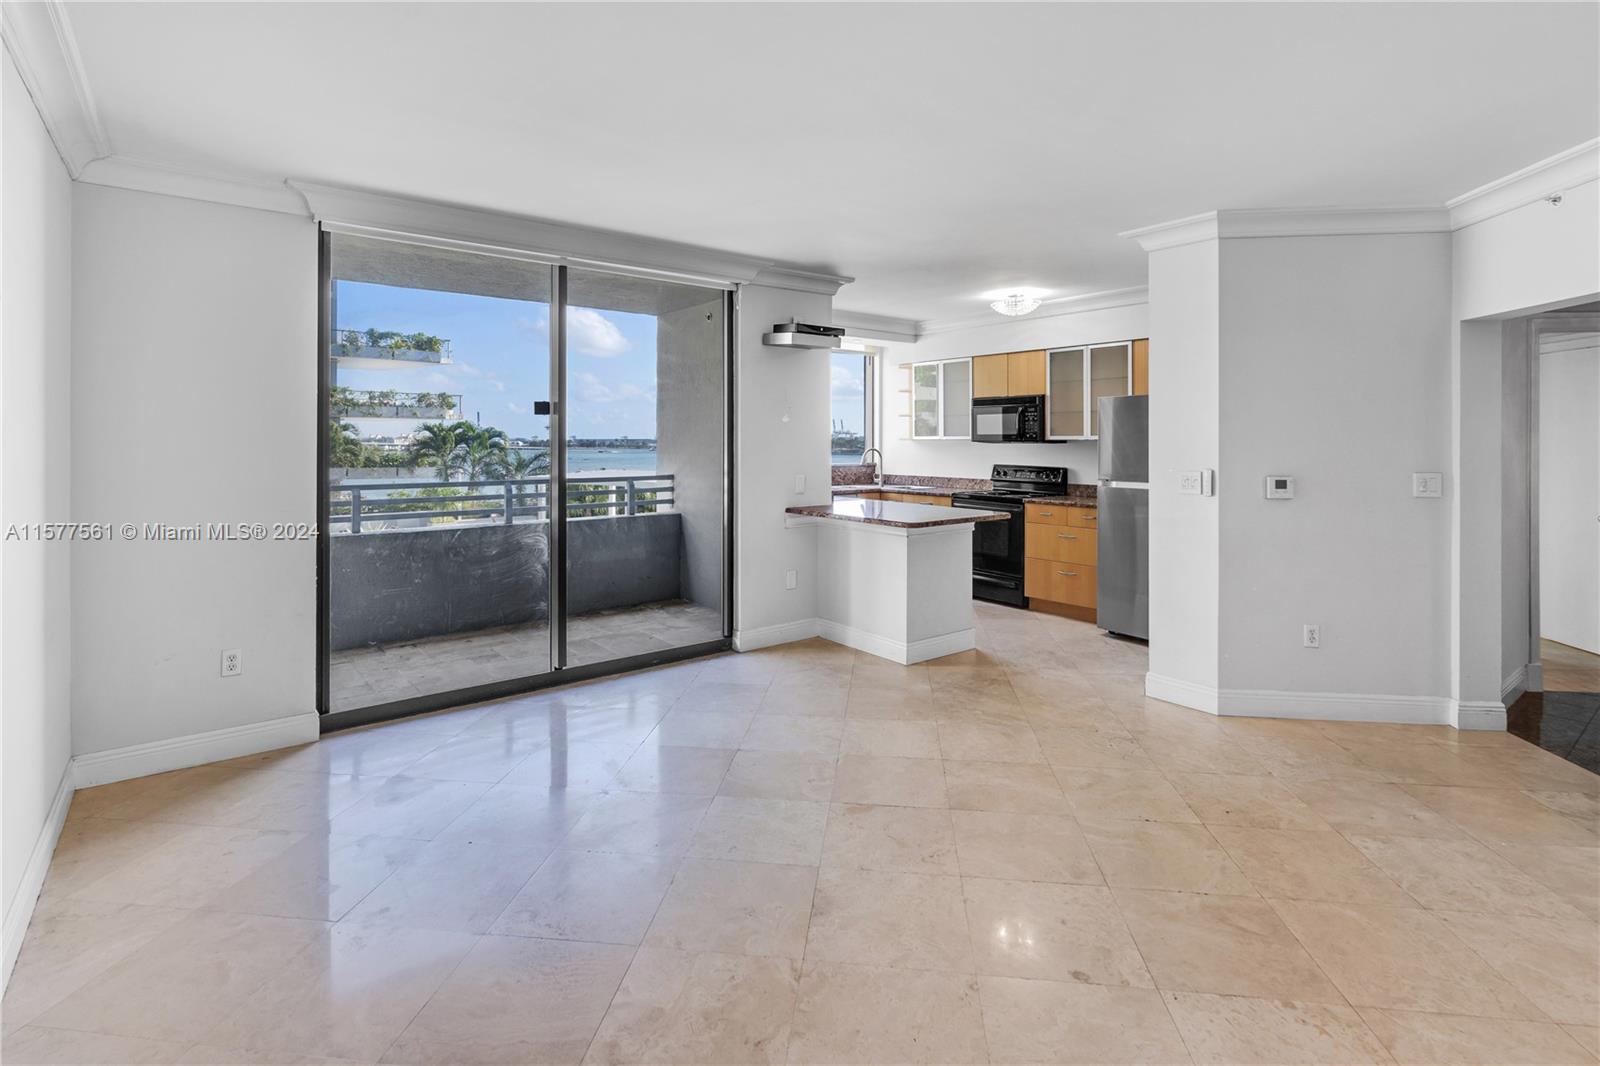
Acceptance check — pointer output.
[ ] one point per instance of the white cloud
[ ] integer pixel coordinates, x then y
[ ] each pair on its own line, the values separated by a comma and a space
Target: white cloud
591, 389
593, 334
516, 408
846, 383
531, 325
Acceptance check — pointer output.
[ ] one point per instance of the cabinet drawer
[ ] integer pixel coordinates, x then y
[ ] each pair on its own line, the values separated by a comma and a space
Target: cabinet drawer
1062, 544
1083, 517
1059, 582
1047, 514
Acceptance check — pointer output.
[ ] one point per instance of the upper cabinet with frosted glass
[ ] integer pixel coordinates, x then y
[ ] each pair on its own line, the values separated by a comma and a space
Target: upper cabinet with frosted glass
1077, 379
941, 400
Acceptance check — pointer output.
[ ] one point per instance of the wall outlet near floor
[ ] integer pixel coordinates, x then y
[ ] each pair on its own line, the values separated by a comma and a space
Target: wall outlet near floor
1311, 636
232, 662
1427, 486
791, 579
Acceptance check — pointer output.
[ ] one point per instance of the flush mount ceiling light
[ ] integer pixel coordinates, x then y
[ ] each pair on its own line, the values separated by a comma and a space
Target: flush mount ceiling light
1016, 303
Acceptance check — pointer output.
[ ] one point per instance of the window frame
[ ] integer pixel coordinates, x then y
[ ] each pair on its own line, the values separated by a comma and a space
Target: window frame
869, 393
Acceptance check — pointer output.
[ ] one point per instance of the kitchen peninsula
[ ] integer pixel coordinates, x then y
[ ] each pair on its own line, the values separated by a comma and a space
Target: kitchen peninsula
895, 578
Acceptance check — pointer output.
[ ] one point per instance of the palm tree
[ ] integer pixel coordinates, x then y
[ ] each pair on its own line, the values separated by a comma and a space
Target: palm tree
344, 444
483, 449
520, 465
436, 445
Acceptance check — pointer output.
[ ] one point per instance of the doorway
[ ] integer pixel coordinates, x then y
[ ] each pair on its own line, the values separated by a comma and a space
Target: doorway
524, 479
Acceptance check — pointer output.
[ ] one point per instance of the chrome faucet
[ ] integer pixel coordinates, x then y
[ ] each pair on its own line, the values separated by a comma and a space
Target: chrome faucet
877, 469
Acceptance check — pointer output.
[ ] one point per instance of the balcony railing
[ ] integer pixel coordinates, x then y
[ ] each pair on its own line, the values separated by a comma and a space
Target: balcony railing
351, 507
388, 345
386, 403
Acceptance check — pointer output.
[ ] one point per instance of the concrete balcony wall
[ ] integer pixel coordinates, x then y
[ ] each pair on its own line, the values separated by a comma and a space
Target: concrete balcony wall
410, 584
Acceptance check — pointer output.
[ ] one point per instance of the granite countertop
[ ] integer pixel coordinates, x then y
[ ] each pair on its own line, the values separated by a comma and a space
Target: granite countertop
1066, 501
909, 490
895, 513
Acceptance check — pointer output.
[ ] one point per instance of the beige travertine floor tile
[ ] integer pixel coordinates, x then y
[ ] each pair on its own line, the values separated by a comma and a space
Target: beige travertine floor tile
888, 701
570, 764
187, 979
210, 1055
1024, 788
710, 694
516, 1000
1216, 754
1292, 864
1572, 871
889, 781
1031, 1021
1165, 855
1584, 806
1024, 847
1372, 807
375, 751
736, 908
693, 727
1123, 795
475, 757
1504, 816
597, 896
869, 1015
1587, 1035
321, 877
190, 867
520, 815
1239, 799
988, 742
1055, 932
663, 768
779, 775
1223, 944
1091, 748
90, 848
34, 1044
820, 692
347, 996
1555, 964
70, 941
639, 823
1461, 875
804, 735
1234, 1029
761, 830
1404, 959
1415, 1037
909, 839
902, 738
877, 918
454, 886
681, 1007
415, 807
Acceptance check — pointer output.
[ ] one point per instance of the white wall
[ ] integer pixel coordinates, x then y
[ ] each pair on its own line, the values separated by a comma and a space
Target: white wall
1185, 433
35, 382
193, 400
782, 432
1334, 355
963, 458
1569, 497
1516, 555
1529, 258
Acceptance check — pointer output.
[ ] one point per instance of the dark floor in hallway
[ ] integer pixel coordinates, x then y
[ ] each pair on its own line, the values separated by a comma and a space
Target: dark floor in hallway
1563, 723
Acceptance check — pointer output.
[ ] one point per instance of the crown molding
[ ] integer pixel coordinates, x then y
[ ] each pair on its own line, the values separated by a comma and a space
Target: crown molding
876, 327
1054, 307
1540, 181
1289, 222
143, 175
781, 277
41, 43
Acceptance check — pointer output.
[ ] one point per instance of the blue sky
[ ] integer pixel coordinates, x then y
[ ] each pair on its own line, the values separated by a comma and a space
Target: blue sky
501, 360
846, 395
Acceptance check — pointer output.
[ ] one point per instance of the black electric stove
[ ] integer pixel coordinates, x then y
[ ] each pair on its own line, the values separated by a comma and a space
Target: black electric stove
998, 547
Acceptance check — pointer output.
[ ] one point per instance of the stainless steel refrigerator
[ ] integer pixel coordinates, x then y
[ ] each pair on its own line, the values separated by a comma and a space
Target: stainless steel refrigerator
1123, 570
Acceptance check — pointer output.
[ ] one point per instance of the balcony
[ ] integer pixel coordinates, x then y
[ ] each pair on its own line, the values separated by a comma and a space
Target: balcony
387, 403
377, 349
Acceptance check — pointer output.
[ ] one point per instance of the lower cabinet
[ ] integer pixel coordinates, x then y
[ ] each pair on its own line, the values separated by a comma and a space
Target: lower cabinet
1061, 548
1069, 583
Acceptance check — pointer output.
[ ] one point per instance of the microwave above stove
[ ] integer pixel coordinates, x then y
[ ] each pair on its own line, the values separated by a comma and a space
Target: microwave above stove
1008, 419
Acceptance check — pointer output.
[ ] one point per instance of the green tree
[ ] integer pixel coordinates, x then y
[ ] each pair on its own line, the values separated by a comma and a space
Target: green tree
344, 444
435, 445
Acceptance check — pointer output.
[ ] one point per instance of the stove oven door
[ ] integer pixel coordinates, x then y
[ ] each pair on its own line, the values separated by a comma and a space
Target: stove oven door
997, 552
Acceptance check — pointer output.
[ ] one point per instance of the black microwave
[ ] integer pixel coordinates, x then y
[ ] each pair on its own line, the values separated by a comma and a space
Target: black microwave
1008, 419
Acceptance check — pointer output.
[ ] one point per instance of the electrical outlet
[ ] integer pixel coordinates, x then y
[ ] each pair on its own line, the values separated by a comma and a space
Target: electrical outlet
1194, 482
1311, 636
791, 579
232, 662
799, 484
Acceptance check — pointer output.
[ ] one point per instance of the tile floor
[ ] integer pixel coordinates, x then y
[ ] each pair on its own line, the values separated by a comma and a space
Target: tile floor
385, 673
808, 855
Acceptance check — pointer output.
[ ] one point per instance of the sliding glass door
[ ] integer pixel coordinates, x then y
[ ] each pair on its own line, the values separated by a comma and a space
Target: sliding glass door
525, 474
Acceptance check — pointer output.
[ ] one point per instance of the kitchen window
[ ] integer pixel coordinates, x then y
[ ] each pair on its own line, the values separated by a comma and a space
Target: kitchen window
941, 400
850, 403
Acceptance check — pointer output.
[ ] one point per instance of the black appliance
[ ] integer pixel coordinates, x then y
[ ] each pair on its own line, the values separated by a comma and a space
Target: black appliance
998, 548
1008, 420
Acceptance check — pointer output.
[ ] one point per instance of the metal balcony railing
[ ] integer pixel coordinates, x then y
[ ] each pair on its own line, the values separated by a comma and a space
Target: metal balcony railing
387, 403
504, 501
388, 344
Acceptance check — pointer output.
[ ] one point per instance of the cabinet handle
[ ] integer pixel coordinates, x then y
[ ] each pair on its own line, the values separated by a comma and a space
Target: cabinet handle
1067, 536
1067, 573
1046, 514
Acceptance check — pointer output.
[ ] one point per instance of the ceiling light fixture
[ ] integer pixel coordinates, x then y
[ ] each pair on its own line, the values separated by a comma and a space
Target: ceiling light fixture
1016, 303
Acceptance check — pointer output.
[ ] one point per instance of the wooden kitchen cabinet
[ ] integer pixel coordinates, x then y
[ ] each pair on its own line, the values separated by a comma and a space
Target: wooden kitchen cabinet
1049, 514
1062, 544
1141, 368
1070, 584
1061, 547
1009, 374
989, 375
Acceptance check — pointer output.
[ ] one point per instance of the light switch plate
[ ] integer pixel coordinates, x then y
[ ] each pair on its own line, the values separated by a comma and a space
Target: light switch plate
799, 484
1194, 482
1427, 486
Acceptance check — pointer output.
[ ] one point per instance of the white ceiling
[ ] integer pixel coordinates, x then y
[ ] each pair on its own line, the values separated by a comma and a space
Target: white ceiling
933, 152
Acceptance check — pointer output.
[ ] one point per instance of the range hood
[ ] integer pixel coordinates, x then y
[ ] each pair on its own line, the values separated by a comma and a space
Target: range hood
802, 335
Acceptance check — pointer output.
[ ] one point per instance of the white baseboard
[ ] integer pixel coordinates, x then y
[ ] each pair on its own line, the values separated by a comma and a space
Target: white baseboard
19, 908
1183, 693
1485, 715
141, 760
1514, 686
898, 651
783, 633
